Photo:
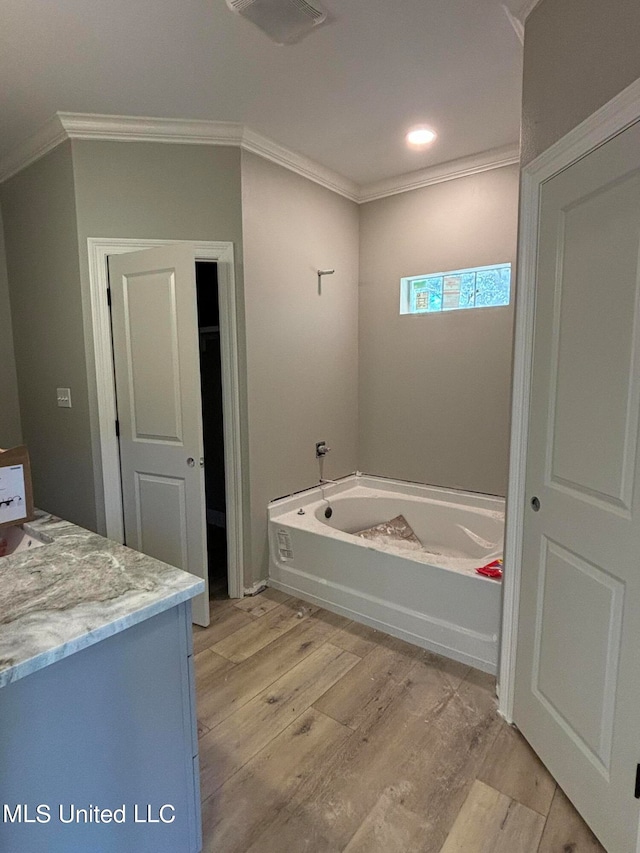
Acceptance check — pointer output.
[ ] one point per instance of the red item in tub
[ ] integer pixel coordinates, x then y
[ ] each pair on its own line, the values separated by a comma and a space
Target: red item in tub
492, 570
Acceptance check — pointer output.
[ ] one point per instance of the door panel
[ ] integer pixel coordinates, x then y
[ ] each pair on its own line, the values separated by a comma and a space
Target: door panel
161, 517
151, 335
580, 610
577, 676
598, 243
157, 370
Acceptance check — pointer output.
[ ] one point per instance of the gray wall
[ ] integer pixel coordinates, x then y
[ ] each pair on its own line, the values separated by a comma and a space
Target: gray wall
38, 208
434, 404
435, 389
101, 189
302, 352
147, 190
578, 54
300, 349
10, 429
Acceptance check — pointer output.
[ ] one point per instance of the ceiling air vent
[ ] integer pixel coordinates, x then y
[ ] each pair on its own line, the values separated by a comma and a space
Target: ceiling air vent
284, 21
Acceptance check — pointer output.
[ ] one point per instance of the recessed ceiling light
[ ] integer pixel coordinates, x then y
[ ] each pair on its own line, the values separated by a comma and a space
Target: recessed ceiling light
420, 136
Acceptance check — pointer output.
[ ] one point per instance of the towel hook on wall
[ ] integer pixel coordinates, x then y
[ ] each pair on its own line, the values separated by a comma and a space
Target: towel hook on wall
320, 274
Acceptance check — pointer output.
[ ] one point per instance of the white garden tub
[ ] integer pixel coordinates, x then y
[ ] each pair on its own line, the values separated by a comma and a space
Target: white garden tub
431, 597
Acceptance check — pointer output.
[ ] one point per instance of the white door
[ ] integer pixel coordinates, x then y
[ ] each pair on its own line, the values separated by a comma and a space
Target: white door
577, 691
157, 371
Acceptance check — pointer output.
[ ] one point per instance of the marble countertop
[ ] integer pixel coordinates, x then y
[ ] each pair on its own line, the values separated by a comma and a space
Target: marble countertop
76, 590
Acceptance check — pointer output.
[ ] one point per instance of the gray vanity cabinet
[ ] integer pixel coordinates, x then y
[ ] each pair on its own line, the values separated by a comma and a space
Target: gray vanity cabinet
99, 750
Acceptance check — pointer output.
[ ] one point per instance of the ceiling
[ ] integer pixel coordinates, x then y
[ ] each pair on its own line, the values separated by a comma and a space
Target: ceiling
344, 96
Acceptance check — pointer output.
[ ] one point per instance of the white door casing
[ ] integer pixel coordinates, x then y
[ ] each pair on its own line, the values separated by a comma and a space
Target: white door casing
157, 371
577, 684
99, 250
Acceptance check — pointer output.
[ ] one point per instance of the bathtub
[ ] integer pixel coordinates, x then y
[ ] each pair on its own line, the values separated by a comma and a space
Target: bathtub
431, 597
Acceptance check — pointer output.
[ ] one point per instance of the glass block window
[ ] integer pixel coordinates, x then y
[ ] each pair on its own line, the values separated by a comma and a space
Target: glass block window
479, 287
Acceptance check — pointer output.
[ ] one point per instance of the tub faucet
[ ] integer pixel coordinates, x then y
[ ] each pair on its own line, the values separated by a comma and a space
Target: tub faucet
321, 452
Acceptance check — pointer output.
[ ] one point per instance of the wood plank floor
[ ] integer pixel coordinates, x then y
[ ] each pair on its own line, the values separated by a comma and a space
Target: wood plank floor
321, 735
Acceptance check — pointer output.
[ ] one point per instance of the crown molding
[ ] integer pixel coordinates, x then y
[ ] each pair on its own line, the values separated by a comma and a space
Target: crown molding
116, 128
520, 9
87, 126
527, 8
461, 168
147, 129
516, 23
264, 147
36, 146
517, 15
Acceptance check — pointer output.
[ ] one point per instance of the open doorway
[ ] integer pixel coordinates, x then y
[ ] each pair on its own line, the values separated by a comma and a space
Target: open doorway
193, 527
212, 426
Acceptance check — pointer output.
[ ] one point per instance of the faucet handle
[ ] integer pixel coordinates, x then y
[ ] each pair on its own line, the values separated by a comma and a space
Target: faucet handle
321, 449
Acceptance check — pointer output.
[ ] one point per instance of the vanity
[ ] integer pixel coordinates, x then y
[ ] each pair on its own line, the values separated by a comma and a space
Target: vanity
98, 739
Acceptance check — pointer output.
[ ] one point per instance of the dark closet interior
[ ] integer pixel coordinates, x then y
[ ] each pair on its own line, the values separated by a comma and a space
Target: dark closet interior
211, 387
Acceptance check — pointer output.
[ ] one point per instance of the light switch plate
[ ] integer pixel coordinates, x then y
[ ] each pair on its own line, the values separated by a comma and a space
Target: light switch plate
64, 398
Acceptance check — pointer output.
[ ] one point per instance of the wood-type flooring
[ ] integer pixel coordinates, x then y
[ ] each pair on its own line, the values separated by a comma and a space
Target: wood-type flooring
321, 735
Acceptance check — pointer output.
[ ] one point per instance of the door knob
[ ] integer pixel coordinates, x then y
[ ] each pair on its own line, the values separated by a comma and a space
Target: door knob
535, 504
191, 462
